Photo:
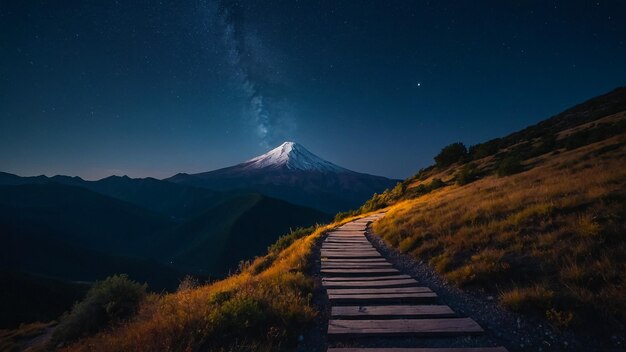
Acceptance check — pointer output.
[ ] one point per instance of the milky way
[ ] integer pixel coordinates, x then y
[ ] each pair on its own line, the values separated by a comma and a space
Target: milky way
270, 115
153, 88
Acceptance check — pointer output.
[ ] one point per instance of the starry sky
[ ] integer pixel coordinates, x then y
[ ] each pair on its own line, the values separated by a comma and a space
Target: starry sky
153, 88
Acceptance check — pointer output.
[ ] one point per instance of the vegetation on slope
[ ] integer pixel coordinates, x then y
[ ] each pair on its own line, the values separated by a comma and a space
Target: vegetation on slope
549, 239
262, 308
537, 217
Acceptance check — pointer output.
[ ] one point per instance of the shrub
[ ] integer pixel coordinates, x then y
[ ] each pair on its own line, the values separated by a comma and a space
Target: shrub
346, 214
435, 183
467, 174
482, 150
188, 283
509, 165
377, 201
451, 154
286, 240
109, 301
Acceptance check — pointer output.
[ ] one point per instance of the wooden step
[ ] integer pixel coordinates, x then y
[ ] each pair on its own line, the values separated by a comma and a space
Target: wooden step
346, 240
346, 233
379, 312
435, 349
384, 297
368, 260
344, 245
355, 260
326, 253
352, 255
378, 265
366, 284
399, 327
358, 291
334, 265
367, 278
349, 250
347, 236
346, 271
347, 244
335, 244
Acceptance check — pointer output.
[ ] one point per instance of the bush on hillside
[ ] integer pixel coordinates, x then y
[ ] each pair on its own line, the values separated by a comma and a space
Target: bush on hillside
451, 154
482, 150
391, 196
509, 165
435, 184
468, 173
346, 214
286, 240
107, 302
377, 201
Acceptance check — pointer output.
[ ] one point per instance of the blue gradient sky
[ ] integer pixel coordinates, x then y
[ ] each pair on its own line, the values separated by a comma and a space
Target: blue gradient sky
146, 88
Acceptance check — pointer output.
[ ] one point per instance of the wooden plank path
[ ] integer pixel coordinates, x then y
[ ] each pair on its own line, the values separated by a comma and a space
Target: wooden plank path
369, 297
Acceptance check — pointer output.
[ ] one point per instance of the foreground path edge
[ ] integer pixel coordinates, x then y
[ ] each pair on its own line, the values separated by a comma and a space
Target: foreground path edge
369, 297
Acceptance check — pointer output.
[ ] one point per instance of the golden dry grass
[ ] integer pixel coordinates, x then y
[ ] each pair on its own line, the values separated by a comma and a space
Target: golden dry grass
262, 308
551, 238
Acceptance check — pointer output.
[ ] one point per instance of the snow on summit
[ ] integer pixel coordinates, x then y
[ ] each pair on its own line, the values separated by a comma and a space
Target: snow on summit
294, 157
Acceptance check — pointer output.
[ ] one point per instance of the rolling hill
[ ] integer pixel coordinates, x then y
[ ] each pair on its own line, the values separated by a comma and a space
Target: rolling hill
215, 241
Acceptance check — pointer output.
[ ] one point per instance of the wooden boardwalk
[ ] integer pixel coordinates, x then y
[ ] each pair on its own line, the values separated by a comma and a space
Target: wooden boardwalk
369, 297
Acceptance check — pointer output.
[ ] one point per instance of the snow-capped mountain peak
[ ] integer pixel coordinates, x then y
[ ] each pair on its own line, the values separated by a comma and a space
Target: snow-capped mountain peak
294, 157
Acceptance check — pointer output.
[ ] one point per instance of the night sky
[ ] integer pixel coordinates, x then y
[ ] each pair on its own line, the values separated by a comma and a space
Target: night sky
153, 88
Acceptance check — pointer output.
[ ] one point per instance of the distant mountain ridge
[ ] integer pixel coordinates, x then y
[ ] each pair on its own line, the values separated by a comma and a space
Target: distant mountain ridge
174, 200
294, 174
71, 229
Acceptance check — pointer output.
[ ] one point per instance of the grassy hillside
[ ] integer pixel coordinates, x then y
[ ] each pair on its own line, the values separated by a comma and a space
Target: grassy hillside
536, 218
262, 308
550, 239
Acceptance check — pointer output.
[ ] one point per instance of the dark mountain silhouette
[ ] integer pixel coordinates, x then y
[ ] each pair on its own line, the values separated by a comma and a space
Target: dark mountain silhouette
52, 235
292, 173
175, 200
82, 217
240, 228
73, 233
